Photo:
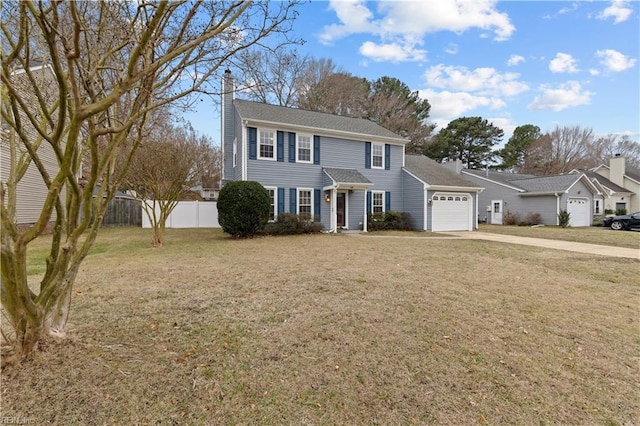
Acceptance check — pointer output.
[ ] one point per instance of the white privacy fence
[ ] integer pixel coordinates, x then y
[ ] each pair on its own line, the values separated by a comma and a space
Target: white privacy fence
189, 214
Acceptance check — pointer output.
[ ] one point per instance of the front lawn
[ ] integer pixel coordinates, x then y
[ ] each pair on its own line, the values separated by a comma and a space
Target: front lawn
330, 329
591, 235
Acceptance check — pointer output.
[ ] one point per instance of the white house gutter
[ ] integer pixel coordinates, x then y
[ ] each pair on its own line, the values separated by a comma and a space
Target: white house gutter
557, 209
245, 152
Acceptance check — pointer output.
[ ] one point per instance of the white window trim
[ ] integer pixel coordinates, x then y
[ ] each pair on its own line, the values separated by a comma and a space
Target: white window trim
383, 201
275, 201
235, 152
298, 160
311, 196
275, 144
373, 145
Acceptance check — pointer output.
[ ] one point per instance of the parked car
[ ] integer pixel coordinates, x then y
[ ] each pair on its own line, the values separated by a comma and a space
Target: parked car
625, 221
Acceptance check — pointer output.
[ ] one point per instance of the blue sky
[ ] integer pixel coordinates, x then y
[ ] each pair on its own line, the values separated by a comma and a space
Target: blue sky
545, 63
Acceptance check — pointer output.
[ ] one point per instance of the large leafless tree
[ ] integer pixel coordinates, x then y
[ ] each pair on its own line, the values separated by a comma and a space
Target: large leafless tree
167, 164
108, 65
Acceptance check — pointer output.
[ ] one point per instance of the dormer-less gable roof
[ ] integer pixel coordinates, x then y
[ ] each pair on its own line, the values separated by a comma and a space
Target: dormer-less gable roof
435, 174
534, 185
603, 181
315, 122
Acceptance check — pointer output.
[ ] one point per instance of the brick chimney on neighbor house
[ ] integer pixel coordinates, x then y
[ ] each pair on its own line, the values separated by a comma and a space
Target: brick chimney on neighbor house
617, 170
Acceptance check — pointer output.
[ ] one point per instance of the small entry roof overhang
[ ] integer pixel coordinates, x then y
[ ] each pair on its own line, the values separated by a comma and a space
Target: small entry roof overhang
346, 179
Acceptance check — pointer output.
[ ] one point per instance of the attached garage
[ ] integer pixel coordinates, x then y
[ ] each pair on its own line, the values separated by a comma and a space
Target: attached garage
451, 212
579, 210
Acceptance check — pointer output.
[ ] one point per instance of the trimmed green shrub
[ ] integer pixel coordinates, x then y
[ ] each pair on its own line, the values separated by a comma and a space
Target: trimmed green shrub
243, 208
291, 224
564, 218
391, 220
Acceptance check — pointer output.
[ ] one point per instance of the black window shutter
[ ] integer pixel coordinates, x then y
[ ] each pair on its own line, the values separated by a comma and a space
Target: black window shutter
292, 147
367, 155
387, 201
368, 201
316, 149
292, 200
280, 200
253, 143
280, 145
316, 204
387, 156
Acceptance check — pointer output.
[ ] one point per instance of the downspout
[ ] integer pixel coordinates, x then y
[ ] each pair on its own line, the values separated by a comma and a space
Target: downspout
557, 209
245, 152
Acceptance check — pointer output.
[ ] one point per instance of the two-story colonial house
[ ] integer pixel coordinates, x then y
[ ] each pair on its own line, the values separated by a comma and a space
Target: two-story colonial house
337, 169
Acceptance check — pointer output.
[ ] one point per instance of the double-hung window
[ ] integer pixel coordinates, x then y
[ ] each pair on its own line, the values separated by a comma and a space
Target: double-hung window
304, 149
266, 144
377, 156
377, 202
305, 203
273, 202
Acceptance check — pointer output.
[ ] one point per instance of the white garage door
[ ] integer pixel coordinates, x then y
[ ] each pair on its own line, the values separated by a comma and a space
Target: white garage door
579, 212
451, 212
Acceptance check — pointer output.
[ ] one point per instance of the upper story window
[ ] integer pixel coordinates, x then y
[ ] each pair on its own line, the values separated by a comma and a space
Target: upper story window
378, 202
266, 144
377, 156
303, 149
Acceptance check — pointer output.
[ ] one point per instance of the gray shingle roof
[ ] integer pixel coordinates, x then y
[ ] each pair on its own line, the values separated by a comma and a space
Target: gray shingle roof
434, 173
346, 176
505, 178
312, 119
559, 183
603, 181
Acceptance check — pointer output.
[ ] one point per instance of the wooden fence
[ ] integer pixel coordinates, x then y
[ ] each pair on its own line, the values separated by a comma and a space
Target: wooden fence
123, 212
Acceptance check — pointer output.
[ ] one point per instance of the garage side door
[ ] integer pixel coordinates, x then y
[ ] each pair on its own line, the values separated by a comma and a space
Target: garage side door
579, 212
451, 212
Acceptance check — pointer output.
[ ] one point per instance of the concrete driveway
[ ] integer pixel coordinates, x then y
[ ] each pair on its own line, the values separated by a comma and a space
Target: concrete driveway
552, 244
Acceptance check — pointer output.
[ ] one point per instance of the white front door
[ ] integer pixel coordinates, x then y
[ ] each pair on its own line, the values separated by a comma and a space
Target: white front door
496, 212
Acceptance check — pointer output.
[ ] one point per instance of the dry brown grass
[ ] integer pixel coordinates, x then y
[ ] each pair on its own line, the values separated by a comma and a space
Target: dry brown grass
590, 235
338, 330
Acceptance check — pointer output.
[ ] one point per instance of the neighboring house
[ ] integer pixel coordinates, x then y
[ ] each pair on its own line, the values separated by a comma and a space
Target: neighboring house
31, 191
206, 194
611, 195
526, 194
335, 169
625, 191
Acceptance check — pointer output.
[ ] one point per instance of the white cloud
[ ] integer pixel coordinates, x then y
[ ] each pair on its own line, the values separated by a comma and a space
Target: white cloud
563, 62
618, 10
446, 105
594, 71
392, 52
515, 60
569, 94
451, 49
403, 21
484, 81
564, 10
614, 60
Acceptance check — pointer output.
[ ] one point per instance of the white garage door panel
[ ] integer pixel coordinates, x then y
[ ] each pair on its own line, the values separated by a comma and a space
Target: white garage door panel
579, 209
451, 212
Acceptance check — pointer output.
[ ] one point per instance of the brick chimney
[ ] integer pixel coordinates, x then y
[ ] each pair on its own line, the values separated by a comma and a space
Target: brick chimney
617, 170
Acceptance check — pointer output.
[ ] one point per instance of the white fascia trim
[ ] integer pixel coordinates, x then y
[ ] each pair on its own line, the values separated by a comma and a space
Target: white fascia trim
328, 132
454, 188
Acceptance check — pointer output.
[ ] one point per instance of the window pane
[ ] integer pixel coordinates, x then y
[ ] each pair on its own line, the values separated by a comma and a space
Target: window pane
266, 144
304, 148
272, 207
304, 202
378, 202
376, 154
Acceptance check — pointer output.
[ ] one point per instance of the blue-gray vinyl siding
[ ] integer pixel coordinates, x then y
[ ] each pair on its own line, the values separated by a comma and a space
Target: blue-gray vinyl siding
336, 153
414, 200
517, 202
